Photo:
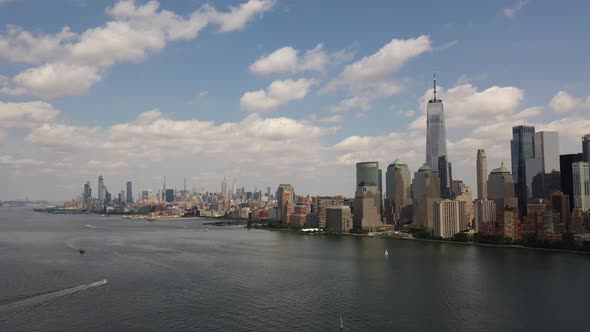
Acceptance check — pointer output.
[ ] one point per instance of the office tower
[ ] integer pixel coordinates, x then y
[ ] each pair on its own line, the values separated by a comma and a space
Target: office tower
581, 175
398, 192
464, 194
366, 206
560, 206
368, 173
449, 218
501, 189
425, 191
145, 195
436, 137
485, 215
268, 192
522, 147
122, 197
224, 188
339, 217
320, 204
586, 148
542, 171
567, 177
107, 197
285, 197
129, 195
233, 187
87, 192
445, 178
101, 189
482, 175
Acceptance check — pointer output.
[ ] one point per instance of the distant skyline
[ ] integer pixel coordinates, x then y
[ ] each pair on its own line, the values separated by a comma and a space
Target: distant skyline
272, 92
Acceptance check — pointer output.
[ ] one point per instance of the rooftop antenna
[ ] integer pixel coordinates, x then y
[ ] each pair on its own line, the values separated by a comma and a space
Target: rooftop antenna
434, 82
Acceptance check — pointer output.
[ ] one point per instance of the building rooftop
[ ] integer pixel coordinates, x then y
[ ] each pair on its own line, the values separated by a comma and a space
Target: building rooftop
425, 168
501, 169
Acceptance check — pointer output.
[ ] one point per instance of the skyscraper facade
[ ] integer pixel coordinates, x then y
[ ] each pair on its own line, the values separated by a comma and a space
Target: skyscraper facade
369, 174
285, 202
586, 148
445, 177
485, 215
101, 189
87, 192
129, 194
425, 191
224, 188
542, 172
581, 175
566, 162
436, 136
366, 207
398, 192
449, 218
501, 189
482, 175
522, 147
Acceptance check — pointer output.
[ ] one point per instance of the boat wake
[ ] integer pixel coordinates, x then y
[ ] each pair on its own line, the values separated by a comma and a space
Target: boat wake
90, 226
21, 304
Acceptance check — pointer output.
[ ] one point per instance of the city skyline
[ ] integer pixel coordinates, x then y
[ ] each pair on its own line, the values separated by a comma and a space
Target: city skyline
289, 108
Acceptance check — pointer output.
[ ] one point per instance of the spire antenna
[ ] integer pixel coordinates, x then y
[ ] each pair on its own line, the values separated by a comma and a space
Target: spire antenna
434, 83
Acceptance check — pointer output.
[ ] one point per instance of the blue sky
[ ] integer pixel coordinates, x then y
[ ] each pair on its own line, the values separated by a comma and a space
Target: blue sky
278, 91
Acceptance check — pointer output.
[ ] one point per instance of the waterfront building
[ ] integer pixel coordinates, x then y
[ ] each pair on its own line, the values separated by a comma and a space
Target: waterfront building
321, 203
299, 214
566, 162
522, 148
129, 195
101, 189
464, 194
366, 206
485, 215
368, 173
586, 148
542, 172
501, 189
339, 217
581, 181
285, 199
425, 191
482, 175
436, 137
509, 225
398, 192
580, 221
169, 195
560, 207
449, 218
87, 193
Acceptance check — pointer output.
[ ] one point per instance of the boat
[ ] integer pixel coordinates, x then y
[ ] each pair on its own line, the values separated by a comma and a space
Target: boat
386, 253
341, 324
81, 251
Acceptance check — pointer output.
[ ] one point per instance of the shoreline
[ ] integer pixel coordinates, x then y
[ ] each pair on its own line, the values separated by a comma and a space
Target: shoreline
504, 246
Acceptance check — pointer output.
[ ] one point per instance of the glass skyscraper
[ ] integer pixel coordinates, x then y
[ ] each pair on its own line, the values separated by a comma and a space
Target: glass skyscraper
522, 147
129, 194
436, 135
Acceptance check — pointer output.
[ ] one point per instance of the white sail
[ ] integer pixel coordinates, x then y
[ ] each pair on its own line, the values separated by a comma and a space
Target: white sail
386, 253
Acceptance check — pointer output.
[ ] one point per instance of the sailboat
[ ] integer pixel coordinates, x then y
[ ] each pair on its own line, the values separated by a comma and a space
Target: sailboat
341, 325
386, 253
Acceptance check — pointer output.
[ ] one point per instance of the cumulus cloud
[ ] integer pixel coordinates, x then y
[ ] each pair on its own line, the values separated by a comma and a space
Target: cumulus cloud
356, 102
564, 102
277, 94
79, 59
26, 114
19, 162
332, 119
286, 60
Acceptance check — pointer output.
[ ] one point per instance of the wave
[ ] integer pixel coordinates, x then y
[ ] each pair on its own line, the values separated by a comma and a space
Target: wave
19, 304
90, 226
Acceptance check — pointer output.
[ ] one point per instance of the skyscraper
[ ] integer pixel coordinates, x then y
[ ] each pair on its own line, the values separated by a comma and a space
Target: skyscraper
566, 162
522, 147
482, 175
542, 172
129, 194
581, 172
285, 199
501, 189
101, 189
436, 137
449, 218
425, 191
224, 188
366, 206
586, 148
87, 192
445, 177
368, 173
398, 192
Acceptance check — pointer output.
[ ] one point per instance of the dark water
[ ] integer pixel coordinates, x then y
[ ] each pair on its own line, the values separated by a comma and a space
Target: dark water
174, 276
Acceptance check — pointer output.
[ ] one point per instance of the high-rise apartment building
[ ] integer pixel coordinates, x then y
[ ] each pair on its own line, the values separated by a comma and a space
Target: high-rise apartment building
485, 214
586, 148
339, 217
522, 147
87, 192
285, 202
581, 177
436, 136
101, 189
224, 192
449, 218
398, 192
482, 175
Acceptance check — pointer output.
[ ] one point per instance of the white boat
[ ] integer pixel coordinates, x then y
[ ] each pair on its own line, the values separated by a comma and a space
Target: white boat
341, 325
386, 253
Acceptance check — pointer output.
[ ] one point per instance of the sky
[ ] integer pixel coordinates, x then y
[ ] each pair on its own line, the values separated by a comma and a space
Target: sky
275, 91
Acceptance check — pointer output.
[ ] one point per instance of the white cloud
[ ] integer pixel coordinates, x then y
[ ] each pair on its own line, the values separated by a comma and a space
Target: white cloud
12, 161
203, 93
563, 102
286, 60
512, 10
356, 102
26, 114
337, 118
277, 94
406, 113
134, 32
